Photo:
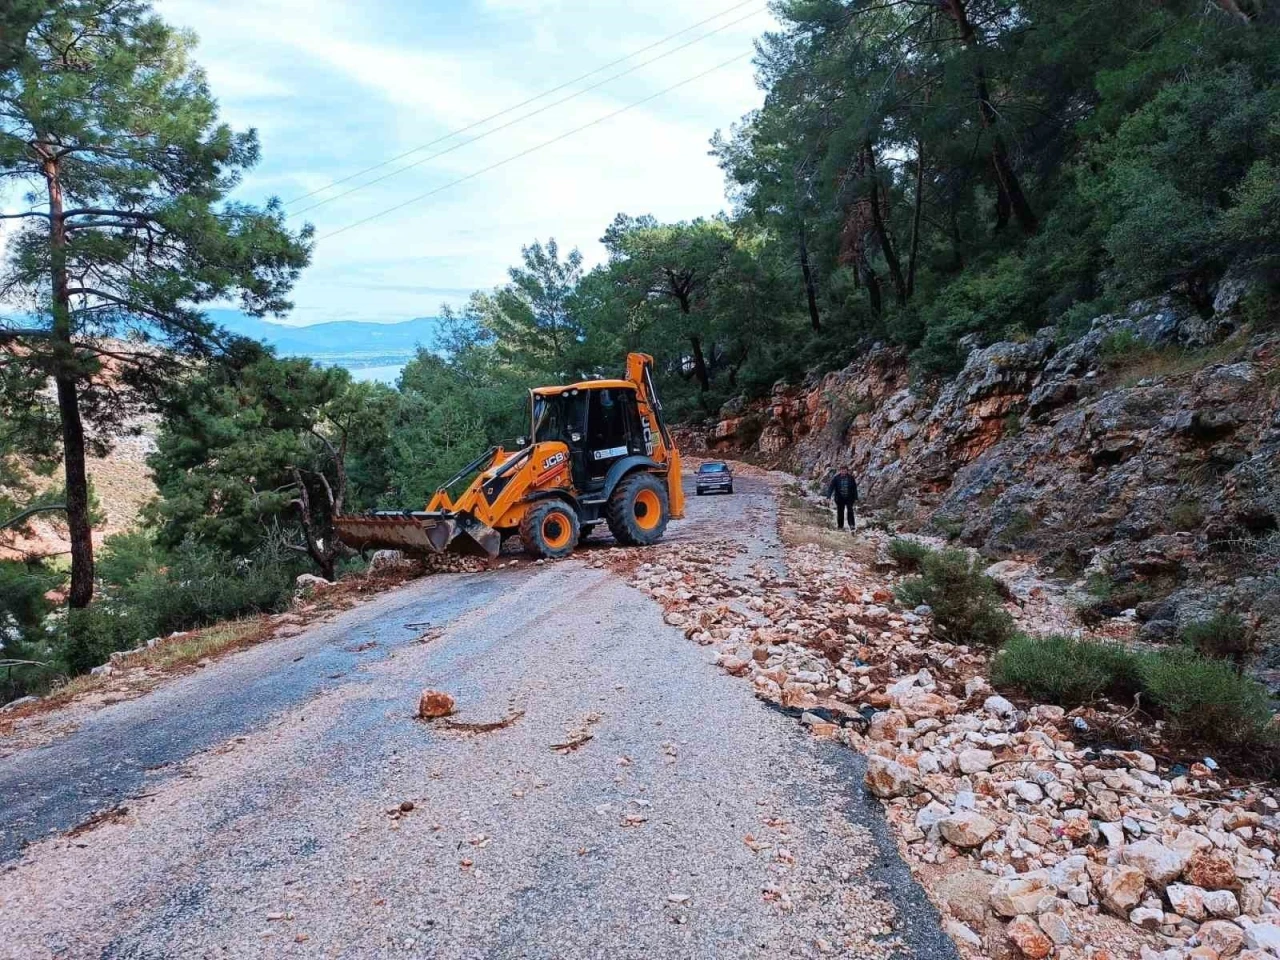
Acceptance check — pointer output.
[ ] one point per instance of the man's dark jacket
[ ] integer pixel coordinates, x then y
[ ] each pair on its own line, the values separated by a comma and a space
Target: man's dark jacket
843, 488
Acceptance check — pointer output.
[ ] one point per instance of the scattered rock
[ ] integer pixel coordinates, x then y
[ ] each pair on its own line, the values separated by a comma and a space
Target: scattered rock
1031, 941
966, 828
434, 704
888, 778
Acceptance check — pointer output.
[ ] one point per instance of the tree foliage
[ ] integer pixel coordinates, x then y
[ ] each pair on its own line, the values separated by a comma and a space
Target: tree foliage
264, 447
107, 121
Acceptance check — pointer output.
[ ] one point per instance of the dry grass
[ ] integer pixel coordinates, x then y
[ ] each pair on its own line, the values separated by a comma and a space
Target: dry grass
178, 653
141, 672
1130, 364
802, 522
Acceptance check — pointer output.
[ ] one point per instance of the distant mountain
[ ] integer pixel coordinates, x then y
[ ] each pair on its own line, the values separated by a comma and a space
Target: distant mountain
348, 343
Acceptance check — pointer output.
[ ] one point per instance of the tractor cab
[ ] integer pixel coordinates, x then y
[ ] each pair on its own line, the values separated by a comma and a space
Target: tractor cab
599, 421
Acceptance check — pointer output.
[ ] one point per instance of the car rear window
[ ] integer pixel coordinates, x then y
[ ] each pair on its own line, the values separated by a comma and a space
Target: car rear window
713, 468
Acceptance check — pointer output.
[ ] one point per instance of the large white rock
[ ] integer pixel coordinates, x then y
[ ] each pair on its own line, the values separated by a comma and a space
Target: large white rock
1014, 896
1158, 863
976, 761
966, 828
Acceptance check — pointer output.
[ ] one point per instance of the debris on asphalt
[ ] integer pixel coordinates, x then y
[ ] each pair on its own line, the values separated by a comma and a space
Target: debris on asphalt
573, 743
467, 726
1030, 842
434, 704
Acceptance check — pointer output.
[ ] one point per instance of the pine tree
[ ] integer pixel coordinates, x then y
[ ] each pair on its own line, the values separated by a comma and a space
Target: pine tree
107, 121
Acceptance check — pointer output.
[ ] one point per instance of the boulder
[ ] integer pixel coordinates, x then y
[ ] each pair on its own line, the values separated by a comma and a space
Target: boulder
976, 761
1221, 903
885, 725
434, 704
1121, 889
964, 894
1031, 941
310, 583
1212, 870
1057, 928
1222, 936
1262, 936
1158, 863
966, 829
1012, 896
888, 778
1186, 900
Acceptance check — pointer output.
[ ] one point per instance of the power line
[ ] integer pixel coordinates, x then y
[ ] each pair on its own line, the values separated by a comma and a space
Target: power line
525, 103
535, 148
519, 119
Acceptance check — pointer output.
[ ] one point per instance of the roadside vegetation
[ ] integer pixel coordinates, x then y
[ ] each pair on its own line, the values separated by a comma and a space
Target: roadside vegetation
1196, 687
966, 604
1204, 701
874, 197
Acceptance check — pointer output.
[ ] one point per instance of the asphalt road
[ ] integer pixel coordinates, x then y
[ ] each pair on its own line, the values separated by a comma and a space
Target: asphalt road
688, 821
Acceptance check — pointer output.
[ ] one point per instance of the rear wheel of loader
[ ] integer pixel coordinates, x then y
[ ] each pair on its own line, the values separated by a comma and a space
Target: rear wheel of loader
550, 530
638, 511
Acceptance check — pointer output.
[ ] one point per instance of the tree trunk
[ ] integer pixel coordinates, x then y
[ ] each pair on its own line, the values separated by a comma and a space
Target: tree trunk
1011, 195
699, 363
882, 230
873, 286
915, 221
814, 318
79, 524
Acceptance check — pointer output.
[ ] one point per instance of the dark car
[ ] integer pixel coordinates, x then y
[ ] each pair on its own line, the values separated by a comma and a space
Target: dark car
714, 476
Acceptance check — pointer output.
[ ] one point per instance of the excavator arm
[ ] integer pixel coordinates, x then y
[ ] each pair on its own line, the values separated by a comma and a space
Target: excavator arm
664, 451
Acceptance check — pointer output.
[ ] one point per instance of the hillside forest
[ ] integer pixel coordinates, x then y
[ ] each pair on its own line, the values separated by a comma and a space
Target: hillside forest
932, 174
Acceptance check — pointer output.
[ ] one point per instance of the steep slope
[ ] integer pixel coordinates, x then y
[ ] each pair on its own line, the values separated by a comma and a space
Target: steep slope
1146, 454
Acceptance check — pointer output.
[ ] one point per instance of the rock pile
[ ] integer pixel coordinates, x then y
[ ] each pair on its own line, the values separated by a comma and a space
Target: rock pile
1091, 454
1033, 842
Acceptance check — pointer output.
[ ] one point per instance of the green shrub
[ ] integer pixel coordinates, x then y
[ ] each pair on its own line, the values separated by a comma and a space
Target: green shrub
192, 586
1186, 515
908, 554
1122, 345
24, 639
88, 637
1067, 671
966, 603
1206, 700
1223, 636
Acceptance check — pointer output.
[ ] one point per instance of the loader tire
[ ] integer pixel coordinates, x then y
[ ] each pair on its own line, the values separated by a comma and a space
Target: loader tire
637, 511
550, 530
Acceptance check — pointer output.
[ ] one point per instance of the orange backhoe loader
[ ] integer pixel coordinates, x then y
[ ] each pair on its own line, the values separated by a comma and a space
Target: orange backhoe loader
597, 452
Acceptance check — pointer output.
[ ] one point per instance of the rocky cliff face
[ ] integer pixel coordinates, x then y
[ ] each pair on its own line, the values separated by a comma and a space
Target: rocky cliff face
1146, 453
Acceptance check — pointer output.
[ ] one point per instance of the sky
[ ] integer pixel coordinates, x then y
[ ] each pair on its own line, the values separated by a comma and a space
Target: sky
334, 86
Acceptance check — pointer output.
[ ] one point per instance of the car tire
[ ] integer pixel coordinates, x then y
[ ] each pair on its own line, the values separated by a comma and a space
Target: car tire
730, 490
700, 491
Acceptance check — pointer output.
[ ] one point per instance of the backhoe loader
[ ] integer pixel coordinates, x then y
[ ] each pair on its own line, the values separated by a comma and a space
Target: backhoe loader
597, 452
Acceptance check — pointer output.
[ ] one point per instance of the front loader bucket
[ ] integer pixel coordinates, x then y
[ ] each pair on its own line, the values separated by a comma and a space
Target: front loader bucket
412, 534
476, 540
419, 533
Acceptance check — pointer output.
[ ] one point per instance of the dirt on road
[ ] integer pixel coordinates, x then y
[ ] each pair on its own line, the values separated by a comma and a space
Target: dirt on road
285, 801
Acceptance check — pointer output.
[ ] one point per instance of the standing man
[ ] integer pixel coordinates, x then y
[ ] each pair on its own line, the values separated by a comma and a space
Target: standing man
844, 491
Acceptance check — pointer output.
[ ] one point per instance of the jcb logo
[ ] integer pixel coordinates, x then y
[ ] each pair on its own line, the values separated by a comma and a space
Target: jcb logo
554, 460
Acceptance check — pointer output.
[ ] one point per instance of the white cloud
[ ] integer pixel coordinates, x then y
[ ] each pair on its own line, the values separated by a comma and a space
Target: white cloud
335, 87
